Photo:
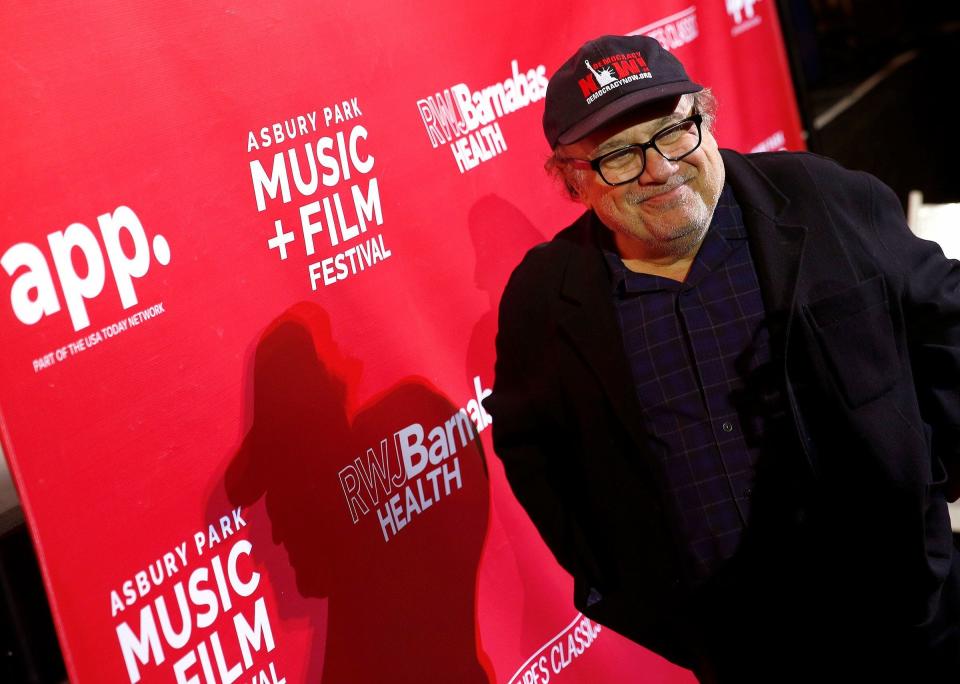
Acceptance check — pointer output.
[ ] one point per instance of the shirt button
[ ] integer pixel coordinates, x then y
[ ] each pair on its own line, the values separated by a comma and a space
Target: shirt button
727, 427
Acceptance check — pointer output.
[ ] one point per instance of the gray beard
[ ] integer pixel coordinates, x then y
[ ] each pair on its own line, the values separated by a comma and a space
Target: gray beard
676, 242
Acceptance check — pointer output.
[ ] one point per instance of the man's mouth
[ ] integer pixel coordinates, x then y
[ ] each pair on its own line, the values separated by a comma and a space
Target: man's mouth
665, 192
665, 195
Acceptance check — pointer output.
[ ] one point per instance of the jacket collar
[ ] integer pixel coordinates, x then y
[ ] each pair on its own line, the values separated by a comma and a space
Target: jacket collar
588, 318
776, 244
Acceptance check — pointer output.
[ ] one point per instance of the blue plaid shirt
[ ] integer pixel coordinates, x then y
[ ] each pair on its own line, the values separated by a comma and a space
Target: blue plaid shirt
691, 347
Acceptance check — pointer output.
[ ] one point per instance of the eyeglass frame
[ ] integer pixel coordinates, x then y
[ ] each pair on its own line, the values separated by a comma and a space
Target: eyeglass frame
696, 118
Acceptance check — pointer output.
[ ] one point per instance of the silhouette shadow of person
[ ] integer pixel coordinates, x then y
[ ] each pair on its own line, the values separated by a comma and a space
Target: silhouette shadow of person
501, 234
379, 512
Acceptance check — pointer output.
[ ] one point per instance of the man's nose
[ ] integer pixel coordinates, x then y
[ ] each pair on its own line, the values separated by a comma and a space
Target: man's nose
658, 169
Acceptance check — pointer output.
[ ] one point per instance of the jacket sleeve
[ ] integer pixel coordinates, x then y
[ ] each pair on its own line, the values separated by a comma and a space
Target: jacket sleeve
931, 304
527, 428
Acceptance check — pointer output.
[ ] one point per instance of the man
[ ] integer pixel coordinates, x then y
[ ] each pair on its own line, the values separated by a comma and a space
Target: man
727, 395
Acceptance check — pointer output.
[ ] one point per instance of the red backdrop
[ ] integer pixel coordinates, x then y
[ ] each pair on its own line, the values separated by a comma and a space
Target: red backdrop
252, 254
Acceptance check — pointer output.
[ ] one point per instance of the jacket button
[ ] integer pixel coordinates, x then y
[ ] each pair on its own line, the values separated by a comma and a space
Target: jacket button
727, 427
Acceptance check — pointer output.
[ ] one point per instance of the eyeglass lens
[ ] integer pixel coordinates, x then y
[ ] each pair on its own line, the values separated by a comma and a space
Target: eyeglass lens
672, 143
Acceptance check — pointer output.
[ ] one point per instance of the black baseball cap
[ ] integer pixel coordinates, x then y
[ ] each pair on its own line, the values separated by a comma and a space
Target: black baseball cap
607, 77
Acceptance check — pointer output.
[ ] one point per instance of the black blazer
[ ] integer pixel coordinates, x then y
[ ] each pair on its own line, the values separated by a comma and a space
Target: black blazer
865, 337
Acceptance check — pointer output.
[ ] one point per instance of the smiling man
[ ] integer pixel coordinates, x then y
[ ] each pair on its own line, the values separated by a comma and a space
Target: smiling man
727, 395
662, 218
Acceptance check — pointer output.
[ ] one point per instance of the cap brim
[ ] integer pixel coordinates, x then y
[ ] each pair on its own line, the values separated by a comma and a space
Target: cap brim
586, 126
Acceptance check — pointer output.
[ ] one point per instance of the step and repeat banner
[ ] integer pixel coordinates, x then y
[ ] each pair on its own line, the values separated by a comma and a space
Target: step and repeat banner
251, 258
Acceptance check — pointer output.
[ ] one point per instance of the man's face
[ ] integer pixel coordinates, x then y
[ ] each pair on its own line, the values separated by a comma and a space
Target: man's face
664, 213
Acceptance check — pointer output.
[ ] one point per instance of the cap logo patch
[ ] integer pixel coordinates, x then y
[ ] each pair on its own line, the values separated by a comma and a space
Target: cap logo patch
612, 72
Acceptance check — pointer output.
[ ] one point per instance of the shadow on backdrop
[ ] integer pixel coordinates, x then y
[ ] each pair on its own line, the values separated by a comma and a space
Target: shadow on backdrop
394, 550
501, 234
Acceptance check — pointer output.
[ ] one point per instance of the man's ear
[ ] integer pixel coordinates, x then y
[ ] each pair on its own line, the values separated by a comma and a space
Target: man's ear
573, 188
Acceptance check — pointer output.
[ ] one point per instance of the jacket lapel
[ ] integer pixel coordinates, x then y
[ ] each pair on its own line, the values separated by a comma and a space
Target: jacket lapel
776, 245
588, 318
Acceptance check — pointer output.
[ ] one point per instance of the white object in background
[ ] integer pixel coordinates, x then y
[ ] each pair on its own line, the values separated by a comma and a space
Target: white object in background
937, 222
941, 224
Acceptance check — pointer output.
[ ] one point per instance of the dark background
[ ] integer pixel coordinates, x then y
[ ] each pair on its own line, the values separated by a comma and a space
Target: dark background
904, 55
873, 80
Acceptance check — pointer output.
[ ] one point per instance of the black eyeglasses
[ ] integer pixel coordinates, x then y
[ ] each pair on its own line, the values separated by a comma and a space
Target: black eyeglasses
626, 164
